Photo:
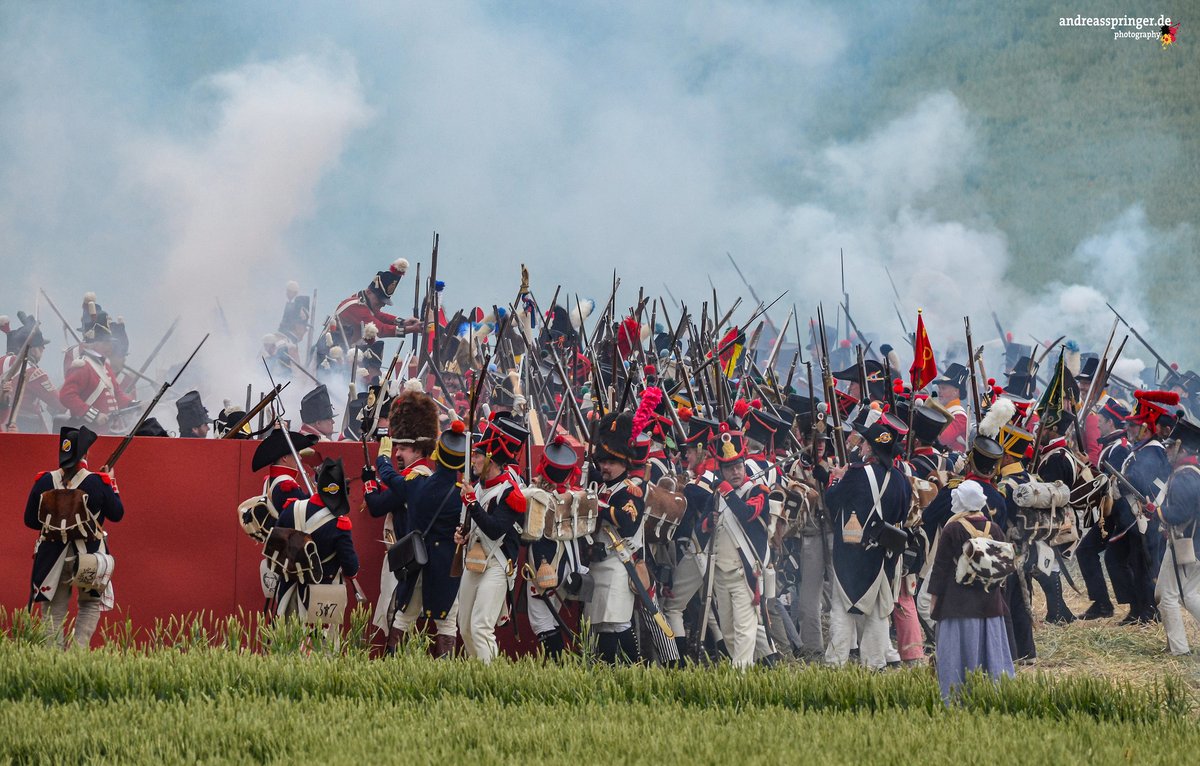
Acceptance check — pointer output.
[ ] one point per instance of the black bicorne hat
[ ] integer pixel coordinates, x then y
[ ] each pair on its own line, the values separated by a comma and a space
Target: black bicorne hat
151, 427
275, 447
17, 335
875, 377
190, 411
384, 283
331, 487
73, 445
228, 418
1187, 434
316, 405
954, 375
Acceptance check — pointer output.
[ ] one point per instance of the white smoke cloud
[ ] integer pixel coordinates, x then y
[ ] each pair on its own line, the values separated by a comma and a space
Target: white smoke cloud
319, 145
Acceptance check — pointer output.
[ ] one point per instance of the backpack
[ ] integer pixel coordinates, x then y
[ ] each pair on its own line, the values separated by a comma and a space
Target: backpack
64, 513
983, 561
292, 553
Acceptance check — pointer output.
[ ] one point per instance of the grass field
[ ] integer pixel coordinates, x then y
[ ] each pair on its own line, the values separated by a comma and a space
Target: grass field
191, 699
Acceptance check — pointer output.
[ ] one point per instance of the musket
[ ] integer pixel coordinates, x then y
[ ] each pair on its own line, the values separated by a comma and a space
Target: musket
141, 372
1100, 369
728, 314
635, 582
899, 300
456, 564
21, 354
116, 455
351, 391
976, 404
812, 406
277, 416
791, 370
769, 366
862, 338
907, 336
716, 354
310, 338
296, 365
19, 391
66, 325
252, 412
831, 402
431, 301
845, 294
1140, 339
1000, 329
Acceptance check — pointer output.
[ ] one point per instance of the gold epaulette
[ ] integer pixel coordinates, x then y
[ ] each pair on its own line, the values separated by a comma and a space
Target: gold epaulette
954, 482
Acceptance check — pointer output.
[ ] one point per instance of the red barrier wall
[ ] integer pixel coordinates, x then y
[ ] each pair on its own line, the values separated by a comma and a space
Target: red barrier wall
180, 548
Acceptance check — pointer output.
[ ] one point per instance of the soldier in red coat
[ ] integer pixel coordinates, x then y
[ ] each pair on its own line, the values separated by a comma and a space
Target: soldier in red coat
37, 393
353, 314
90, 390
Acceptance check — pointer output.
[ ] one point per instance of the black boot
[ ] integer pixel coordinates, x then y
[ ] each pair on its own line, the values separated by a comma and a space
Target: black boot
1057, 611
1098, 611
552, 644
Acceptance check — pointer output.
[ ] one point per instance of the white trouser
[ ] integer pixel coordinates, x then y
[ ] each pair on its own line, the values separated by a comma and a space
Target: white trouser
813, 562
736, 614
541, 619
480, 602
871, 631
55, 614
404, 620
685, 584
1166, 592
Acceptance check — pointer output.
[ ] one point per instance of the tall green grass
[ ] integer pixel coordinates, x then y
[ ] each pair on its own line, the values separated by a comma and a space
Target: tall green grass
201, 659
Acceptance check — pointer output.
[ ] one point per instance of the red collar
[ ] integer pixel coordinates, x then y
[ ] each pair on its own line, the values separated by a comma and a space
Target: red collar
923, 451
422, 461
1189, 460
500, 477
317, 501
275, 471
976, 477
1059, 442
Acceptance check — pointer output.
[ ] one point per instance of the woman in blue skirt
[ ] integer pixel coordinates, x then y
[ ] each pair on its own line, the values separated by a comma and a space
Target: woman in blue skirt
970, 618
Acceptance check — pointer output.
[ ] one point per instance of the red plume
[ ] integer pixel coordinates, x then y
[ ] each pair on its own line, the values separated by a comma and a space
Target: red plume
644, 416
458, 427
1169, 398
741, 407
685, 414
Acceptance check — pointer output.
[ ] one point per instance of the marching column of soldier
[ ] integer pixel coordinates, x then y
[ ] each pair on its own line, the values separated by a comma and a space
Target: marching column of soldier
687, 497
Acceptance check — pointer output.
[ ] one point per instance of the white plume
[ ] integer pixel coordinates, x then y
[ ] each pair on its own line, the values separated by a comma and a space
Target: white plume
999, 414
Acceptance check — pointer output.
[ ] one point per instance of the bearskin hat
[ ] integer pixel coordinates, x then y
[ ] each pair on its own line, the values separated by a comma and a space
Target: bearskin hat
413, 418
614, 437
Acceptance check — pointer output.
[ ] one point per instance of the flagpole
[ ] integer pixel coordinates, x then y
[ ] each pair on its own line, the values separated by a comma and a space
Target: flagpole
916, 373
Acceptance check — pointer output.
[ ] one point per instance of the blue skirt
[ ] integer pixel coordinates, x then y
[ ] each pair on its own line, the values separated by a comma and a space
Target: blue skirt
968, 644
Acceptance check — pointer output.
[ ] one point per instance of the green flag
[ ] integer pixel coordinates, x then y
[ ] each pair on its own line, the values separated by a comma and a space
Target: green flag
1050, 408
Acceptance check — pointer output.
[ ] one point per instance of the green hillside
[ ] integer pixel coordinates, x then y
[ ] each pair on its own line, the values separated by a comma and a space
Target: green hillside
1075, 127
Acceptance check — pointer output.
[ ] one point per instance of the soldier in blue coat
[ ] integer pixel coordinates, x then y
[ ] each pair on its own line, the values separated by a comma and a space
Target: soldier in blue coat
1147, 468
434, 505
58, 554
1179, 576
862, 496
323, 517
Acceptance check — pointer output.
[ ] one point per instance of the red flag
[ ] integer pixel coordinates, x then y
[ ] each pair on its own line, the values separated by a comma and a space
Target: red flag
924, 368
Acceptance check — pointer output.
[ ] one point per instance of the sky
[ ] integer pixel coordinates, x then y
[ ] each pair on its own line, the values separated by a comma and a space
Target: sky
189, 159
